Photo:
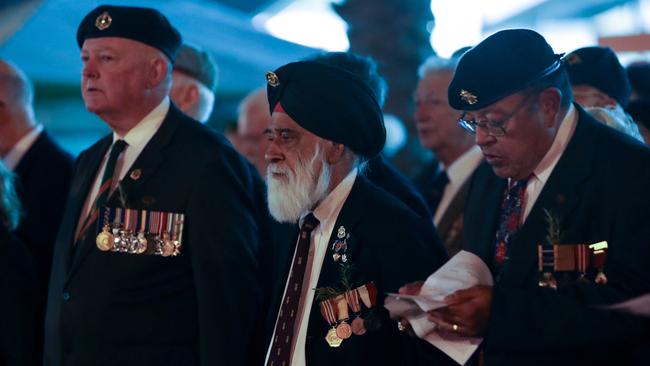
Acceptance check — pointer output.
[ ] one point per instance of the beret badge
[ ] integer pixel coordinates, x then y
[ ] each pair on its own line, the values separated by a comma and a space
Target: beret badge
103, 21
468, 97
572, 59
272, 79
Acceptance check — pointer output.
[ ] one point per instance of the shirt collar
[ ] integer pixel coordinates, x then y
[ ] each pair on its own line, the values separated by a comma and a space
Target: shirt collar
139, 135
464, 165
13, 157
562, 138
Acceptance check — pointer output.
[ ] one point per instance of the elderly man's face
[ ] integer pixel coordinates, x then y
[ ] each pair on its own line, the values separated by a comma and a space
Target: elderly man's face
298, 174
114, 76
526, 139
435, 120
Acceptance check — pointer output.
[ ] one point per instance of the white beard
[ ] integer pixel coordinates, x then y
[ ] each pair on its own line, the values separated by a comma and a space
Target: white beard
299, 192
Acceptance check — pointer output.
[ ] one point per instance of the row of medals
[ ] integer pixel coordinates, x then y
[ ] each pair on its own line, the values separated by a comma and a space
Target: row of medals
121, 236
338, 333
117, 239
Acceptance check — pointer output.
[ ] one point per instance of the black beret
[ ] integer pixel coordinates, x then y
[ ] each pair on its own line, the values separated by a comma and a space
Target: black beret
145, 25
502, 64
331, 103
599, 67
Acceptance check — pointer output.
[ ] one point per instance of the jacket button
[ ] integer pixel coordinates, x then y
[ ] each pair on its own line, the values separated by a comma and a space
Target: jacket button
66, 296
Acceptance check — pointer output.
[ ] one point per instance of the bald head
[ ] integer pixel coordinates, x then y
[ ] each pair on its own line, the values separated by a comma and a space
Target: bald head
15, 88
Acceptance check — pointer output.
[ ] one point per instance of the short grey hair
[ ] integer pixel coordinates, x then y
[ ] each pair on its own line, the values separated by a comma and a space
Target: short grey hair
436, 64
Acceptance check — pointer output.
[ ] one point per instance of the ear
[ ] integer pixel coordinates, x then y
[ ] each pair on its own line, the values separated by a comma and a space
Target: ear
157, 71
549, 104
335, 152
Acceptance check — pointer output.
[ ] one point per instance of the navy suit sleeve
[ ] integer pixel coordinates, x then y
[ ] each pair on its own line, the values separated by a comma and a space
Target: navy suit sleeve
222, 228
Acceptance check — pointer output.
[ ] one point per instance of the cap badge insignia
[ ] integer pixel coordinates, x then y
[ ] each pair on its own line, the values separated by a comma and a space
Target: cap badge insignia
572, 59
468, 97
272, 79
341, 232
103, 21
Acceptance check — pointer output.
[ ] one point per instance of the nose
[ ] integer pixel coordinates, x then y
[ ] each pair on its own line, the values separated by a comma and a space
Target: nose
420, 113
273, 152
482, 137
89, 71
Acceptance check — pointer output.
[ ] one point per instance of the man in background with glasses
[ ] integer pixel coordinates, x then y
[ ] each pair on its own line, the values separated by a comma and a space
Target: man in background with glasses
555, 180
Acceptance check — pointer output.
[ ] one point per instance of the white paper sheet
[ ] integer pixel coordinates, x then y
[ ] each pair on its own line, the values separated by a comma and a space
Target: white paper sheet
462, 271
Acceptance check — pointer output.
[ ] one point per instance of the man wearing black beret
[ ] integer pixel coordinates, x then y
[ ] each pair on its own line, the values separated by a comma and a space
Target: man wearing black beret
601, 86
353, 242
155, 260
556, 182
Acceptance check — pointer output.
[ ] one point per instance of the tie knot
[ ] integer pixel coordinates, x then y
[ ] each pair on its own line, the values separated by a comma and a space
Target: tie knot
118, 147
309, 223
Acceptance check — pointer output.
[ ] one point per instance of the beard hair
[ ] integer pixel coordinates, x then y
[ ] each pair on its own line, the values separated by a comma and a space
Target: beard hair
303, 189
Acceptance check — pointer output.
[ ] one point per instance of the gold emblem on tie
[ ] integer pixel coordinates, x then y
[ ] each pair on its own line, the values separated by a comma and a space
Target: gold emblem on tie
468, 97
272, 79
103, 21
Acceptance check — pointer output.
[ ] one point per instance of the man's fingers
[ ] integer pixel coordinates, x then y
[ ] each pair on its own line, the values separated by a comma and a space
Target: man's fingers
411, 288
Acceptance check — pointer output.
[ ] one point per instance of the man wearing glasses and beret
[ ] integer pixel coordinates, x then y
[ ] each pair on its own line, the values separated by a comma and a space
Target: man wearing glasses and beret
557, 213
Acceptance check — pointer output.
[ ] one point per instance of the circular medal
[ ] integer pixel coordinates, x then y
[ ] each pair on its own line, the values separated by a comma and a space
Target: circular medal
141, 247
177, 247
104, 241
344, 331
357, 326
332, 339
167, 248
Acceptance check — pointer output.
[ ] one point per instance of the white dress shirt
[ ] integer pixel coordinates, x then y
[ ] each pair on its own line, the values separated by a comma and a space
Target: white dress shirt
326, 212
458, 173
545, 167
137, 138
13, 157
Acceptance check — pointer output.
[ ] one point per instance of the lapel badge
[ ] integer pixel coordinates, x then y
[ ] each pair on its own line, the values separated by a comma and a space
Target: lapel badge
336, 257
135, 174
272, 79
468, 97
572, 59
103, 21
340, 233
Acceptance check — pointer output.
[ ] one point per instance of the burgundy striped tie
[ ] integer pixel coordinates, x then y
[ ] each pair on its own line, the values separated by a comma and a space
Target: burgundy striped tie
281, 347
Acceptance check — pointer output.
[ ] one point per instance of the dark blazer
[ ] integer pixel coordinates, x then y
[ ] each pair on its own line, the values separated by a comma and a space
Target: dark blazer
384, 175
599, 191
44, 175
450, 227
198, 308
388, 244
19, 342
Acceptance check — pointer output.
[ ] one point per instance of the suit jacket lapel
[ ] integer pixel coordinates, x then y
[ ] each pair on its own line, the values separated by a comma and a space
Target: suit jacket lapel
351, 213
147, 162
560, 196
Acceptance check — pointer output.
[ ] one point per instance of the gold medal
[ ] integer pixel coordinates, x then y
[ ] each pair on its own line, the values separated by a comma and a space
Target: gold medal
167, 246
343, 330
104, 240
332, 339
141, 247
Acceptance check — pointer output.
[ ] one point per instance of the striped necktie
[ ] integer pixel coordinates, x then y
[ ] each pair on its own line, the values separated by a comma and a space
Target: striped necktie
281, 347
104, 189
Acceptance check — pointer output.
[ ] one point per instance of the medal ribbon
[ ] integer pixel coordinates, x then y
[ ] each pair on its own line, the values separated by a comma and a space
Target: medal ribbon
352, 297
143, 221
327, 311
342, 307
368, 294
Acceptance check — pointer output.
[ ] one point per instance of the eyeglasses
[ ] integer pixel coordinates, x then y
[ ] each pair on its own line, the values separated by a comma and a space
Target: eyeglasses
492, 128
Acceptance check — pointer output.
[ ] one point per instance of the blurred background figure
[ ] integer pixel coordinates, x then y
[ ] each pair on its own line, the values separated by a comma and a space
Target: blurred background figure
639, 106
378, 170
600, 85
19, 339
42, 167
194, 81
254, 118
444, 182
